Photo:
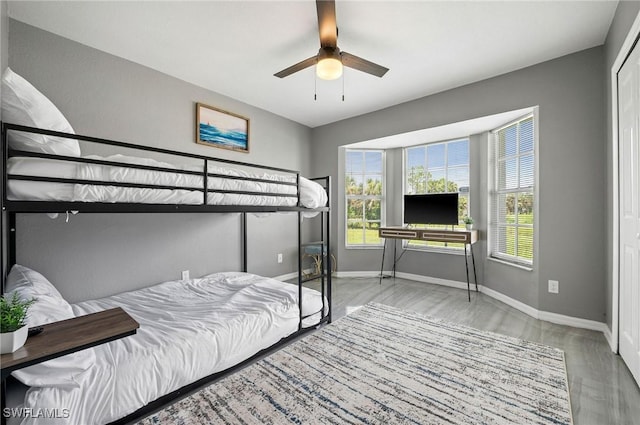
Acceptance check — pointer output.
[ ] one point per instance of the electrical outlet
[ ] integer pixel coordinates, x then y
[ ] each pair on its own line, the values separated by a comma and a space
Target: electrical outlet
554, 286
279, 258
185, 275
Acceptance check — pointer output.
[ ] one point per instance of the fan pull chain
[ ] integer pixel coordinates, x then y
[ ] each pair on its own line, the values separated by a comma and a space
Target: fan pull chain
343, 85
315, 86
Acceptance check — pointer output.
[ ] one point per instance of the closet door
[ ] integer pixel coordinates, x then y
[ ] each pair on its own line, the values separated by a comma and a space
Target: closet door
629, 125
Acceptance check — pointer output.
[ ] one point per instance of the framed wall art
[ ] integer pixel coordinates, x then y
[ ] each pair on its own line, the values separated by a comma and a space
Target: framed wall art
221, 129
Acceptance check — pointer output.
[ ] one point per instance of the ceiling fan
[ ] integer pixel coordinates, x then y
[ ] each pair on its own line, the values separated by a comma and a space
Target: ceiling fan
330, 60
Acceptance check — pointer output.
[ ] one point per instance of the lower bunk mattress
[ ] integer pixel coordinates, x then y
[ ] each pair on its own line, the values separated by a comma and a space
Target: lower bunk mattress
188, 330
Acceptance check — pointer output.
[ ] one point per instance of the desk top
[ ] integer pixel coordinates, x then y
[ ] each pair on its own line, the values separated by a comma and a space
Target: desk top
428, 234
68, 336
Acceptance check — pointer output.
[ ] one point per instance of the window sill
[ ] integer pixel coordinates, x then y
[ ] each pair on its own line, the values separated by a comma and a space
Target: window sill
508, 263
363, 247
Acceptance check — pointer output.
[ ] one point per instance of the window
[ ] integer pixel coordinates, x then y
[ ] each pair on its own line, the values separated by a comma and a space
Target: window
511, 197
438, 168
364, 197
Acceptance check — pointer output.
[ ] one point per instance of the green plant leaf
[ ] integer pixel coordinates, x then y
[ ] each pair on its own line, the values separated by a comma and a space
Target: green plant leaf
13, 312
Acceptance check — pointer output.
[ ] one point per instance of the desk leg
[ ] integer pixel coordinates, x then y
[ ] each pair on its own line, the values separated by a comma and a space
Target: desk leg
395, 246
384, 248
473, 259
466, 265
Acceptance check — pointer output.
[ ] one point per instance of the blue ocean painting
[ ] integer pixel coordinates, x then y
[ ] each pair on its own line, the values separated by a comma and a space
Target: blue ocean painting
233, 139
222, 129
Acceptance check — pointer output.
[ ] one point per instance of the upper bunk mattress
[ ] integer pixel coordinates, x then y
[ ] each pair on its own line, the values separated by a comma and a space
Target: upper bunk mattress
312, 195
188, 330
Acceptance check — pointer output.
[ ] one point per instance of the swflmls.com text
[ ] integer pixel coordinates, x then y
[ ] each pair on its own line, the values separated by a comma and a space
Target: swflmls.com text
27, 412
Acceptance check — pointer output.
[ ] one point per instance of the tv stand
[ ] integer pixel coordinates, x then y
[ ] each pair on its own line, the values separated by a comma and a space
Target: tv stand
466, 237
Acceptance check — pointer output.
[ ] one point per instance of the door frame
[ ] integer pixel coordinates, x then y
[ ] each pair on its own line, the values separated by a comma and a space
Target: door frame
625, 50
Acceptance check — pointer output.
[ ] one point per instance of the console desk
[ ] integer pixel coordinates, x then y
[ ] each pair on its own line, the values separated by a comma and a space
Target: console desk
65, 337
466, 237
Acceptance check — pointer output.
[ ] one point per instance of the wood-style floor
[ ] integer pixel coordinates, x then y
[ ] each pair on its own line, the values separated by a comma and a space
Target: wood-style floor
603, 392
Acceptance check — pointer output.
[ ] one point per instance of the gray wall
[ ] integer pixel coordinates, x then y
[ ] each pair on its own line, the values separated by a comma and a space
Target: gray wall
570, 94
626, 13
4, 35
109, 97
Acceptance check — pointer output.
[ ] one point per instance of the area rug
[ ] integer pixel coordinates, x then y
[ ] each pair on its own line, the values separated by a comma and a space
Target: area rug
382, 365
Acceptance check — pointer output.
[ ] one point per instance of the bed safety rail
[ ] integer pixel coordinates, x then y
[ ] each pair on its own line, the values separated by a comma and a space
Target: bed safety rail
282, 179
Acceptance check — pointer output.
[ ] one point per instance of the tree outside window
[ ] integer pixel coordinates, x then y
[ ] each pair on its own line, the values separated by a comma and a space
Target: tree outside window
441, 167
364, 196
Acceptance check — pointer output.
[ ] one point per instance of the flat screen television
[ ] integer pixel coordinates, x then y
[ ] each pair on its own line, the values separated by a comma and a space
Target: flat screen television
431, 208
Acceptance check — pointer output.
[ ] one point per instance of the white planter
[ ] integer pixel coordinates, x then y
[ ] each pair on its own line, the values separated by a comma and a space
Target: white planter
11, 341
469, 226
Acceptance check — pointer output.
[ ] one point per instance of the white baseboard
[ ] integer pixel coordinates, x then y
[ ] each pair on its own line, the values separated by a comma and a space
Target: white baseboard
292, 275
609, 336
287, 276
518, 305
575, 322
547, 316
434, 280
359, 274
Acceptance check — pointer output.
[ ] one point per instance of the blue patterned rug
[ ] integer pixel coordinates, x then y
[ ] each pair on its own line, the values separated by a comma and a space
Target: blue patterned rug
382, 365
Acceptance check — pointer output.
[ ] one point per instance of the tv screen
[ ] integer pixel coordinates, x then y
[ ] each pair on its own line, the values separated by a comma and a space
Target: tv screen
431, 208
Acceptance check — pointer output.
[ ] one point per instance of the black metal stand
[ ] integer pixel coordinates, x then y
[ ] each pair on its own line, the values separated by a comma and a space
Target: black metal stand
384, 248
466, 264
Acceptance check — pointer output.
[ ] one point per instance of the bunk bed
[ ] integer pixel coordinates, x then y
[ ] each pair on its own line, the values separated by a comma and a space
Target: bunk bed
37, 181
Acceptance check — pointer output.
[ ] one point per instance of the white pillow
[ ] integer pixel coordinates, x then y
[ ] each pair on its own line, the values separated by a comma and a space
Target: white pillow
49, 307
312, 194
23, 104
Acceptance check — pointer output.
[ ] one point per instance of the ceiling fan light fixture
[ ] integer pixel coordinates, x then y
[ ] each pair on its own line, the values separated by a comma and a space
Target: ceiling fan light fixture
329, 68
330, 60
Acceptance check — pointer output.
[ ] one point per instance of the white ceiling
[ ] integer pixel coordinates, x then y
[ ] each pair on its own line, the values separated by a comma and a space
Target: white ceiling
235, 47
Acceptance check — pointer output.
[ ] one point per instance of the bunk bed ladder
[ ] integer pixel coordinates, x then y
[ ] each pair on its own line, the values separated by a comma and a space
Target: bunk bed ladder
329, 266
7, 220
243, 224
299, 215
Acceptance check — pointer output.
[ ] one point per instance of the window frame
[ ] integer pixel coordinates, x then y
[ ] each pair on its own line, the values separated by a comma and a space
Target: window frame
447, 248
364, 198
493, 192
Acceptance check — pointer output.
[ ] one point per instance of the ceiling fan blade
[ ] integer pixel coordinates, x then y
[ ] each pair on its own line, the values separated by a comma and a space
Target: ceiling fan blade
327, 23
363, 65
297, 67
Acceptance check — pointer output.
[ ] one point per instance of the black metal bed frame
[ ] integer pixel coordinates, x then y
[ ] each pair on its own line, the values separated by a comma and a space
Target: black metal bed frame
10, 208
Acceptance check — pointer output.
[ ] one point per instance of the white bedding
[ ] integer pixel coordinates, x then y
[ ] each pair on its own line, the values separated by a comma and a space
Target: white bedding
312, 195
188, 330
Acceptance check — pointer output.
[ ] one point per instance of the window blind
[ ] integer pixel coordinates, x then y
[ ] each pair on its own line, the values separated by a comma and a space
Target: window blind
512, 197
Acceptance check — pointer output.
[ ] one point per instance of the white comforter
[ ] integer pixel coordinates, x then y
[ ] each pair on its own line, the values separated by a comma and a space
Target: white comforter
188, 330
312, 195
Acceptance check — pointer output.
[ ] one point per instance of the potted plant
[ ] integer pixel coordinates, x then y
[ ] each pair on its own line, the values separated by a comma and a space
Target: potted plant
13, 326
468, 221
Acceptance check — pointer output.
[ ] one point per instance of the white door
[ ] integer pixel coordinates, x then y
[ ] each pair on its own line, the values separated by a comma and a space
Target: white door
629, 125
